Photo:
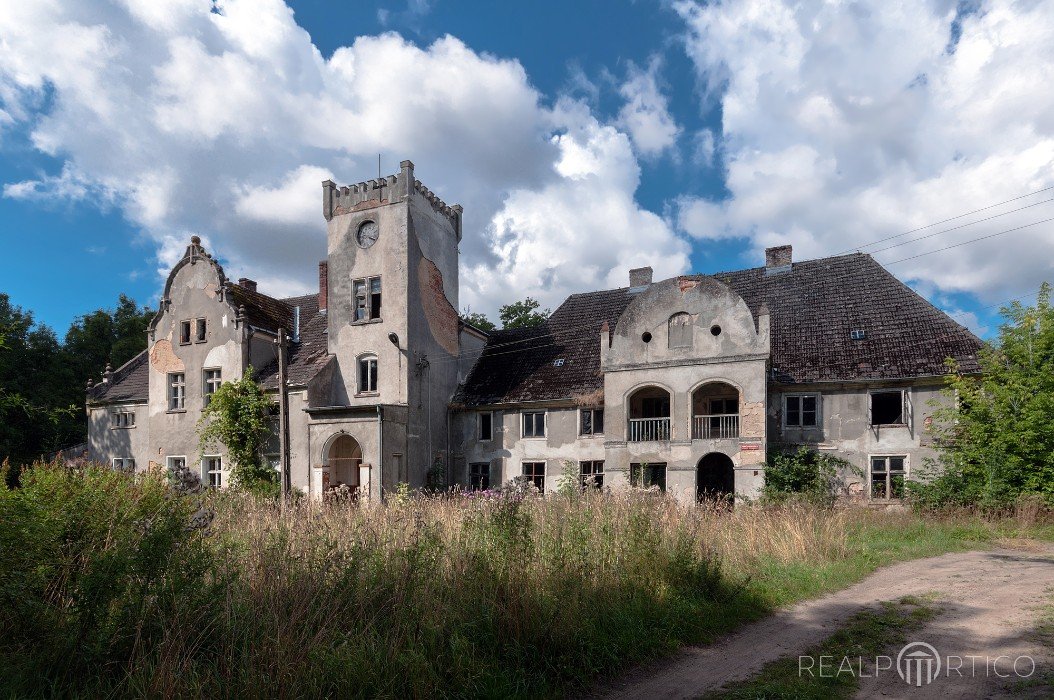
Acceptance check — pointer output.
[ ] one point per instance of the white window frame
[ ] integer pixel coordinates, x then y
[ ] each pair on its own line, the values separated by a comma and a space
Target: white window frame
173, 458
905, 408
545, 470
590, 476
801, 395
207, 473
887, 456
207, 383
363, 390
592, 421
122, 464
523, 425
479, 426
116, 422
177, 392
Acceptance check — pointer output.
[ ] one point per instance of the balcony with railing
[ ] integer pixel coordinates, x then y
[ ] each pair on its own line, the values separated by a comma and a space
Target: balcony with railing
715, 412
645, 429
649, 415
715, 426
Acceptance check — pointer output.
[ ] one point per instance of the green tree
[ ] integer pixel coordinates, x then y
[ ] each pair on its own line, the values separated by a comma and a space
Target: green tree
996, 430
815, 476
523, 314
106, 337
477, 319
237, 417
36, 405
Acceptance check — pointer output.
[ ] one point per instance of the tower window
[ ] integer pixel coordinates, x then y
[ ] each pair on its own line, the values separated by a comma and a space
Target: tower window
367, 299
367, 375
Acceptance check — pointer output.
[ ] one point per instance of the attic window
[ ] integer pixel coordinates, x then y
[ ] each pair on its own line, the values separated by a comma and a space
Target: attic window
858, 334
558, 362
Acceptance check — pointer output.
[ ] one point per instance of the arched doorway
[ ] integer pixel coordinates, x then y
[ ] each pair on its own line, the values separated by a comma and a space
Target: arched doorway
715, 477
343, 459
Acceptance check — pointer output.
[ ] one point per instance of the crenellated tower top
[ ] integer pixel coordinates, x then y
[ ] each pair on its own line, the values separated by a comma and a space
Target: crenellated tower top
385, 190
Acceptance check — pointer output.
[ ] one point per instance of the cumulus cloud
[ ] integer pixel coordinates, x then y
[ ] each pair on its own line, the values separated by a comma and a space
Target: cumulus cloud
222, 119
645, 115
848, 123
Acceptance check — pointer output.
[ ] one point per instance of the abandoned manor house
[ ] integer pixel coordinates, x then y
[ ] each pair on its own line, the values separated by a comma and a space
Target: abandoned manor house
681, 384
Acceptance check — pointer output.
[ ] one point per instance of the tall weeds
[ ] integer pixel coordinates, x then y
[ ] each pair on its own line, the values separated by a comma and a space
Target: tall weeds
107, 588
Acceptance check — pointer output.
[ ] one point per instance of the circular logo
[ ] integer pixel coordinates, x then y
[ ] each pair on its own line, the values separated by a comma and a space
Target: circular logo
918, 663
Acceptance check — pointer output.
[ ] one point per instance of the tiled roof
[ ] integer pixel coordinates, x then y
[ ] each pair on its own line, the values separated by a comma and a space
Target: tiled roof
307, 357
813, 307
262, 311
129, 382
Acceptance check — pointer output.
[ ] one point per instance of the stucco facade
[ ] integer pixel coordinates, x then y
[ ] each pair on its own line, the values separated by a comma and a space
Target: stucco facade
681, 384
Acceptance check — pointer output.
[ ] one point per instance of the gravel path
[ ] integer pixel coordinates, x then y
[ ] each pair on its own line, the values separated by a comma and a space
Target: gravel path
989, 604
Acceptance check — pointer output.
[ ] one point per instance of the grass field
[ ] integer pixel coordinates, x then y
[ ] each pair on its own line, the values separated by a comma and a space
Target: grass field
121, 587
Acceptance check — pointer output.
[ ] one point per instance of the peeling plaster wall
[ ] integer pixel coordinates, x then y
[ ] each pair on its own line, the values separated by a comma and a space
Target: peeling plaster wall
844, 428
194, 293
107, 443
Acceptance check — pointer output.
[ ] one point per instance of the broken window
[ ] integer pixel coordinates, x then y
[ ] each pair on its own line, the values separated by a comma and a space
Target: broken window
800, 411
367, 375
887, 407
534, 424
535, 471
648, 475
124, 464
212, 471
122, 419
200, 330
479, 476
887, 477
591, 421
177, 391
680, 330
184, 332
486, 425
367, 293
593, 473
210, 382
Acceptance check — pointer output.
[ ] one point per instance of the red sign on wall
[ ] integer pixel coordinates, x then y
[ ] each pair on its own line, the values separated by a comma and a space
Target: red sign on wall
750, 446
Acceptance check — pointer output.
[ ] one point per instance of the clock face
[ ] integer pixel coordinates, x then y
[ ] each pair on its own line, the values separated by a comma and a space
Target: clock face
368, 233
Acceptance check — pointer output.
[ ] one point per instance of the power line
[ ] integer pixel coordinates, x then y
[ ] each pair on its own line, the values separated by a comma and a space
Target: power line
972, 240
955, 228
944, 221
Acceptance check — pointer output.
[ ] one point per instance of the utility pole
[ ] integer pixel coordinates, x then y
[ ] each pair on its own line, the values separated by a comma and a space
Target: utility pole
283, 416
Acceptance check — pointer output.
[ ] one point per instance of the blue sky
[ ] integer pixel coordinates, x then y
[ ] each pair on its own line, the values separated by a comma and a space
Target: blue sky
582, 138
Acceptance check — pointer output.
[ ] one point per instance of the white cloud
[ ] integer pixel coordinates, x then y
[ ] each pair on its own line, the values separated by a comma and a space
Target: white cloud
704, 148
847, 123
223, 123
645, 114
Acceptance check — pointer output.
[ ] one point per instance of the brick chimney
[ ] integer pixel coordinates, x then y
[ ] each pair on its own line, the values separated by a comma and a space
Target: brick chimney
778, 259
640, 277
247, 283
323, 285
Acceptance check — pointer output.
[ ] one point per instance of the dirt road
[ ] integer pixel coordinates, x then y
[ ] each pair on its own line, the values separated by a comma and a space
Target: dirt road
989, 606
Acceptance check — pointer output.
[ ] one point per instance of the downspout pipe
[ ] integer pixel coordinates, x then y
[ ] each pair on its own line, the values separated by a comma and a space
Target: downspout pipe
380, 451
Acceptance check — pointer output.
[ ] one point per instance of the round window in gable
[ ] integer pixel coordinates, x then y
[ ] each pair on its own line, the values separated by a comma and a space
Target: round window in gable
646, 337
715, 330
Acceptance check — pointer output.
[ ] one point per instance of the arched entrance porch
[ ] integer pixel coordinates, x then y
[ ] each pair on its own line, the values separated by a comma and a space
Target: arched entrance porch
715, 477
343, 459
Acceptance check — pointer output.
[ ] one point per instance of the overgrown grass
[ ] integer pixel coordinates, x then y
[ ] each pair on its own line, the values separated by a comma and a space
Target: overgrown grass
868, 634
110, 585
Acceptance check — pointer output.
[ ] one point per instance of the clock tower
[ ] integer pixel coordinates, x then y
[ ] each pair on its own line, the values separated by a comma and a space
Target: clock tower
392, 316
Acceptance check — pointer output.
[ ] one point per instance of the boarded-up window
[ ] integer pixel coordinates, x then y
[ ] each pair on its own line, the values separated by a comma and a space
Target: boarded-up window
680, 330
